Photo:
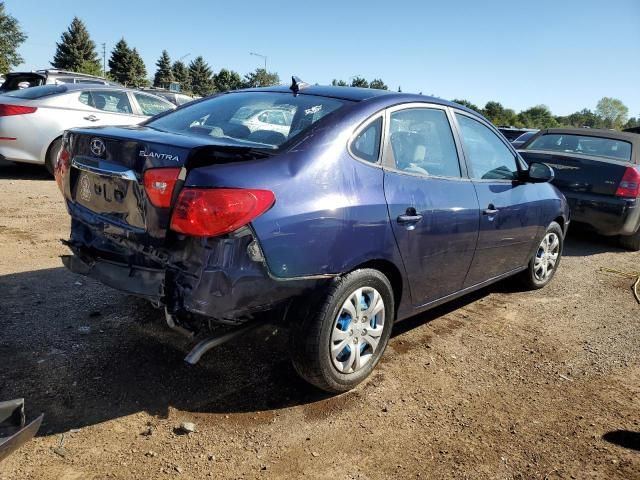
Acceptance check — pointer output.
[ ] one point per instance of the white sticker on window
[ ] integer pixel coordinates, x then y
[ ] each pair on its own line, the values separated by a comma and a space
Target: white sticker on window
312, 110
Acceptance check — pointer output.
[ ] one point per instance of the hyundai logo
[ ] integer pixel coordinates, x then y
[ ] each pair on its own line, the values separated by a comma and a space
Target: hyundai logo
97, 147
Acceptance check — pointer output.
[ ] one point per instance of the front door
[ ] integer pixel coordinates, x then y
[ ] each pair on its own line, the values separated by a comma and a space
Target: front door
432, 206
509, 215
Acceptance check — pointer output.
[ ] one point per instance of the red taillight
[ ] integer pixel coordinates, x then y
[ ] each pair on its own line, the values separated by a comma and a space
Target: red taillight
630, 184
8, 110
208, 212
159, 184
61, 166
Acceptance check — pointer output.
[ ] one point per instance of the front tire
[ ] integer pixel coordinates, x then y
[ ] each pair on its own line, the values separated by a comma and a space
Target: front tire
544, 263
336, 346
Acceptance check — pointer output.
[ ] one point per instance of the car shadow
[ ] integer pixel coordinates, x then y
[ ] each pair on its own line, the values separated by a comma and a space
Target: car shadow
624, 438
23, 171
582, 242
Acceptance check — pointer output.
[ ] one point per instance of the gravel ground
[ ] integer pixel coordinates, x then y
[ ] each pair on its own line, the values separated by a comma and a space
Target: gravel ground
500, 384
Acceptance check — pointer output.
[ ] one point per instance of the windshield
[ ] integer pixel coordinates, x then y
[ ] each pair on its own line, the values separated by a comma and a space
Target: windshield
37, 92
585, 145
263, 118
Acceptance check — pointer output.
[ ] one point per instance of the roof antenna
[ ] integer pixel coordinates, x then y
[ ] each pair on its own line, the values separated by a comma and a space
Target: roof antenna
297, 85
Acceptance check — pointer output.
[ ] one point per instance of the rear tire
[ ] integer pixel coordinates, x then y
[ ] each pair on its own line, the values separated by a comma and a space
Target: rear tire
631, 242
545, 261
337, 343
52, 155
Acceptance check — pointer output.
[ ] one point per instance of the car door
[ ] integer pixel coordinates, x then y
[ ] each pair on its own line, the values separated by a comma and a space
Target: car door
109, 107
432, 205
509, 209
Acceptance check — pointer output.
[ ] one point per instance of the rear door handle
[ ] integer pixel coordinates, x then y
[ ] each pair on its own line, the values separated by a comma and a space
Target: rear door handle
409, 218
91, 118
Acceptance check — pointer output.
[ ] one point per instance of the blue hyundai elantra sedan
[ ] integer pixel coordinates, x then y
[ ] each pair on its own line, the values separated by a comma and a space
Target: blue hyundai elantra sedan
341, 211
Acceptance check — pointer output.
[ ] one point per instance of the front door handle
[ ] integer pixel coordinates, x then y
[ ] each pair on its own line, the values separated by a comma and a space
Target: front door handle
490, 210
410, 216
91, 118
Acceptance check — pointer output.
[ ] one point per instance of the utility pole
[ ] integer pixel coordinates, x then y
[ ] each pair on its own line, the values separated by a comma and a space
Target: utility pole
104, 60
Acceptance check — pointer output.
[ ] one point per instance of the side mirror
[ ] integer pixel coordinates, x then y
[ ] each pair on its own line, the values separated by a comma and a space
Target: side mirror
540, 173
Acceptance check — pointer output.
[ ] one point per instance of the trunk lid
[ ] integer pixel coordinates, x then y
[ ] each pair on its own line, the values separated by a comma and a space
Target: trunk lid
104, 184
580, 173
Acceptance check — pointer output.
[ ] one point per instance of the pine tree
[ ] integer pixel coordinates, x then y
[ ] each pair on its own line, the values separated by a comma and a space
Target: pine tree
76, 51
11, 37
138, 70
227, 80
181, 75
164, 75
201, 81
120, 63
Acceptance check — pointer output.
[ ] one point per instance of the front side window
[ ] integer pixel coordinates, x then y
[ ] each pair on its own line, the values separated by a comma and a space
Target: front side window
422, 142
583, 144
150, 105
366, 145
111, 101
238, 117
489, 158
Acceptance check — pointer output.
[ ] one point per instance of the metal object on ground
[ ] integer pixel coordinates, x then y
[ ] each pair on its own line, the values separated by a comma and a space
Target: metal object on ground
204, 346
13, 429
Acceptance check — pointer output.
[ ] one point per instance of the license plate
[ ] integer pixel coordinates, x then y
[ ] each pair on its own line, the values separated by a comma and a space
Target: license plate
110, 196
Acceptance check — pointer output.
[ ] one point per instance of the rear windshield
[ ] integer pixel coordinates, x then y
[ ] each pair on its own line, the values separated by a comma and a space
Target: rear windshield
266, 119
585, 145
37, 92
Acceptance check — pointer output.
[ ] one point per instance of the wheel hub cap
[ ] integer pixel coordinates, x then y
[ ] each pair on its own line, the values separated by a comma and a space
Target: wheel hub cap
357, 330
546, 257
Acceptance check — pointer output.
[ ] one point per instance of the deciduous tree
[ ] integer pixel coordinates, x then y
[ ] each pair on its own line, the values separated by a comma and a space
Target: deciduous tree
11, 37
612, 111
378, 84
359, 82
226, 80
261, 78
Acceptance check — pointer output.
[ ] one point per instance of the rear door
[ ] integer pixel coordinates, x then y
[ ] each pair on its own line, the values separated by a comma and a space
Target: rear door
432, 205
509, 212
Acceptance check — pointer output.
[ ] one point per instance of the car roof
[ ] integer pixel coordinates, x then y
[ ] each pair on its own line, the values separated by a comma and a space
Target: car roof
595, 132
357, 94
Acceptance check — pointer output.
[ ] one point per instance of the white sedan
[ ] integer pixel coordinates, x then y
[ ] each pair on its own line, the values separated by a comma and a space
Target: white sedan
33, 120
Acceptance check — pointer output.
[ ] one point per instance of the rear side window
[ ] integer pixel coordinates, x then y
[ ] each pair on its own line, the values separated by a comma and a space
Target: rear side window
34, 93
422, 142
366, 145
583, 144
151, 105
489, 158
110, 101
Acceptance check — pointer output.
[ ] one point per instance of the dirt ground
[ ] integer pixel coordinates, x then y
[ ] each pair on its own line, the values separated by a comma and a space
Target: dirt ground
501, 384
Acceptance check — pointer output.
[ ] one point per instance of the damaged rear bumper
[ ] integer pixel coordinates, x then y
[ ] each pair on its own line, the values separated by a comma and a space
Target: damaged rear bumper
216, 278
14, 431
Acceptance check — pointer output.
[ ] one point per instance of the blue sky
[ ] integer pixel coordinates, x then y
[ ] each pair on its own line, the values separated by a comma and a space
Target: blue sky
565, 54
